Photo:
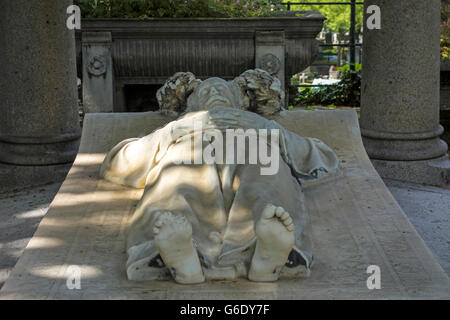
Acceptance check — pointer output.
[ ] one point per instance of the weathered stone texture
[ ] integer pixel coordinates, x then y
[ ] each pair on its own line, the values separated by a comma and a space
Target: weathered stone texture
38, 97
400, 88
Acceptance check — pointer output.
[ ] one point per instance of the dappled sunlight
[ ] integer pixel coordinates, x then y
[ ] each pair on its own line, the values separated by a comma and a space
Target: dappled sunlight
89, 159
86, 227
86, 162
13, 249
95, 196
63, 272
102, 220
44, 242
33, 214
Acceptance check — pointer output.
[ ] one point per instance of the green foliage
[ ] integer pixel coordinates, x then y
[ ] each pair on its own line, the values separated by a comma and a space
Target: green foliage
143, 9
338, 16
346, 68
295, 82
347, 92
445, 30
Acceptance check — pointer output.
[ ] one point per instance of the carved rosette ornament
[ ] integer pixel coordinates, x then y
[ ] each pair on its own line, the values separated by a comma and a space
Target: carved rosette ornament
270, 63
97, 66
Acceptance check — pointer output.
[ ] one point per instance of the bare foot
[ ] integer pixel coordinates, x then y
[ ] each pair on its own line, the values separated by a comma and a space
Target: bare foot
275, 239
173, 239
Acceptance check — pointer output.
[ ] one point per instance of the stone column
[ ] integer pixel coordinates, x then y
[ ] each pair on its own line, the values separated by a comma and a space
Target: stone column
400, 92
39, 126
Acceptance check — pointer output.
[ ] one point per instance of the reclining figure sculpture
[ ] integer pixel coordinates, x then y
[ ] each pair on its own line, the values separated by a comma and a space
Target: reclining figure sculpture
219, 219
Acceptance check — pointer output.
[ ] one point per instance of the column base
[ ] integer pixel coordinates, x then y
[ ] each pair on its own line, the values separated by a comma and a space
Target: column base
16, 177
31, 151
434, 172
404, 146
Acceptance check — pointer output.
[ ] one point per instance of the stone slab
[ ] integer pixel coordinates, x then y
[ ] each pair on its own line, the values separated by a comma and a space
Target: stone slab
356, 223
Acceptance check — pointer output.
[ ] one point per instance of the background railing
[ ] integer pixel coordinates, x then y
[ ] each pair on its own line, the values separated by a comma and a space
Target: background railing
352, 36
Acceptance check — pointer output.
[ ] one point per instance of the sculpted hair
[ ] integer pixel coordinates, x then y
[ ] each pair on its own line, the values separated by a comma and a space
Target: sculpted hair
255, 90
260, 91
172, 96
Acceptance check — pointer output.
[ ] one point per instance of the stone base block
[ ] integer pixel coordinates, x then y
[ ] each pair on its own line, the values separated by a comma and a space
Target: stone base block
434, 172
15, 178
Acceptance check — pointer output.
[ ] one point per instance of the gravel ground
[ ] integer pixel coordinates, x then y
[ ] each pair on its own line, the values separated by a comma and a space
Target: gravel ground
20, 214
428, 209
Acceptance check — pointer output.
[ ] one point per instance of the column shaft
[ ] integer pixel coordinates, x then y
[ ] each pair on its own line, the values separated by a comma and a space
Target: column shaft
400, 86
38, 97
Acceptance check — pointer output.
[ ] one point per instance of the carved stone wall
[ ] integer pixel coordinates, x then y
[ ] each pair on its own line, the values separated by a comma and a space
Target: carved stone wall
150, 51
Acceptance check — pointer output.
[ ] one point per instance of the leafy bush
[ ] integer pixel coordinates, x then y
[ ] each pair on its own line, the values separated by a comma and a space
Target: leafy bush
338, 17
143, 9
347, 92
445, 30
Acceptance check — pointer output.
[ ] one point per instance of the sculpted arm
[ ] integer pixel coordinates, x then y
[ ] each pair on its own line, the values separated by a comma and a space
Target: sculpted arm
310, 158
130, 161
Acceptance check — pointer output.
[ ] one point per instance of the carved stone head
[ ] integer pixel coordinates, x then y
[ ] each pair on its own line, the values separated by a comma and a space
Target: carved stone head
213, 92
